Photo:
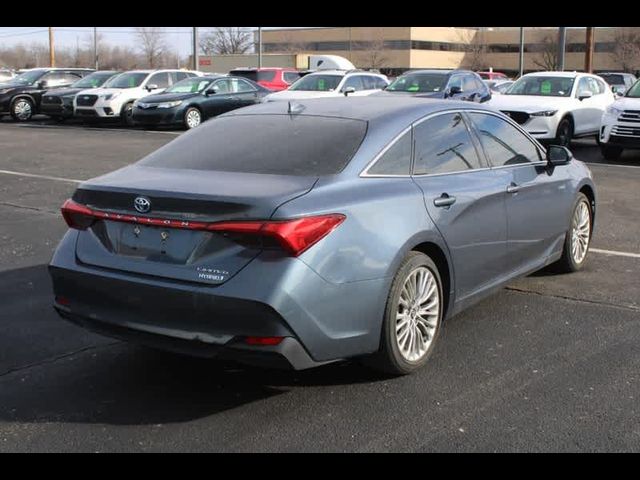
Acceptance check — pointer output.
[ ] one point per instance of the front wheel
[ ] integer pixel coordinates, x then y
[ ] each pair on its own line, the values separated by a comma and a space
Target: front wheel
22, 110
192, 118
127, 114
578, 237
412, 318
564, 133
610, 152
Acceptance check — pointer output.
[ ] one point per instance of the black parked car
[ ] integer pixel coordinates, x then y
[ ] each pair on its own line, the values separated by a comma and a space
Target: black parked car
58, 103
454, 84
193, 100
21, 96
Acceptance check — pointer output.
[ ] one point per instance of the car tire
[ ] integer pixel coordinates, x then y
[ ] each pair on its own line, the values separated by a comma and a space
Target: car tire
403, 346
22, 109
610, 152
574, 256
192, 118
127, 114
564, 133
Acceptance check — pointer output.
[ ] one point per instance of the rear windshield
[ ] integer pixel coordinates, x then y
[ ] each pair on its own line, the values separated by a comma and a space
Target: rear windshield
256, 76
268, 144
613, 79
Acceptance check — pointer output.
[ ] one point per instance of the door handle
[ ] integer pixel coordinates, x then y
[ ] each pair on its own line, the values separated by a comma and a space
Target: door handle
513, 188
444, 200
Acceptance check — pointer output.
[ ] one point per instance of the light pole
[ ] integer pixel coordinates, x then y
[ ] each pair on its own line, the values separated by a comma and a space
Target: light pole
95, 46
259, 47
196, 60
521, 59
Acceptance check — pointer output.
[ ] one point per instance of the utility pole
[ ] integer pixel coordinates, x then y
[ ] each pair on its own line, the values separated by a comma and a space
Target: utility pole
259, 47
562, 40
588, 56
521, 59
52, 53
196, 61
95, 46
350, 45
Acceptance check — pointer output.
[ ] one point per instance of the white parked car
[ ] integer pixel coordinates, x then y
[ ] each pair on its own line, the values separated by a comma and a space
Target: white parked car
620, 128
332, 83
115, 99
556, 106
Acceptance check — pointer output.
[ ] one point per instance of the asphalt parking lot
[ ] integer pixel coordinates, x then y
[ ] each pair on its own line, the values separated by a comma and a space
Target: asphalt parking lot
551, 363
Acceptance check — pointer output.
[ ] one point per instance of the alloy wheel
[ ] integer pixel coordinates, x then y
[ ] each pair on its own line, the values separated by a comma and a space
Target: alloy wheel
193, 118
417, 314
580, 232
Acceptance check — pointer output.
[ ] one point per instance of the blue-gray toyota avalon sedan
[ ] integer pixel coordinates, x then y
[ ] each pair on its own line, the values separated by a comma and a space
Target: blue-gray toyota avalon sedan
304, 233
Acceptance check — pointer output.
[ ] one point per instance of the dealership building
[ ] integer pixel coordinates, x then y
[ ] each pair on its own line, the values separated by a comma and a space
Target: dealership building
396, 49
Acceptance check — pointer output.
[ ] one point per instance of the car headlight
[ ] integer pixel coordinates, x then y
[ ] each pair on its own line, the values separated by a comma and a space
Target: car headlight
544, 113
6, 90
169, 104
611, 110
110, 96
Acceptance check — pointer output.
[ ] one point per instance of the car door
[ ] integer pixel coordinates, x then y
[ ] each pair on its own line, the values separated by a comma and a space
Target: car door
357, 82
587, 113
247, 94
538, 199
464, 198
220, 98
159, 80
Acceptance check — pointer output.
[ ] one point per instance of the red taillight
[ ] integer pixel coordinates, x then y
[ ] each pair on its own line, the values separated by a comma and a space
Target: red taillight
77, 216
263, 341
295, 235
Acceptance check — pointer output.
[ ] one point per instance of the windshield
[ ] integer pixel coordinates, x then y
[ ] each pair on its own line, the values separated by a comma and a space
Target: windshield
542, 86
266, 144
94, 80
127, 80
317, 83
28, 78
634, 91
419, 82
190, 85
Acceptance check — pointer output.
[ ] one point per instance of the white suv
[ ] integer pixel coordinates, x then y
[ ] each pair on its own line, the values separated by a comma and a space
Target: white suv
115, 99
556, 106
620, 126
332, 83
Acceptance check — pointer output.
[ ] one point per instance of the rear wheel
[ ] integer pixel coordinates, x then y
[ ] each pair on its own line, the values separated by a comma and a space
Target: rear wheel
127, 114
564, 133
412, 318
610, 152
192, 118
22, 110
578, 237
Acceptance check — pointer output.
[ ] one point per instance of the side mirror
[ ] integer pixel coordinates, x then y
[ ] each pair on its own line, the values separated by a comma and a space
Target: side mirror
455, 90
211, 91
151, 86
42, 84
557, 155
348, 90
584, 94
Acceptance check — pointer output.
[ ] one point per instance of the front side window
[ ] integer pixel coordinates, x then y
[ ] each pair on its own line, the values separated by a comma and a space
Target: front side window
456, 81
190, 85
542, 86
634, 91
317, 83
127, 80
355, 82
469, 84
159, 79
396, 160
503, 143
443, 145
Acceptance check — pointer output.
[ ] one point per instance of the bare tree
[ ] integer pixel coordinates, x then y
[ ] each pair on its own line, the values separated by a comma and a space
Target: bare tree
546, 52
152, 44
226, 40
626, 48
474, 45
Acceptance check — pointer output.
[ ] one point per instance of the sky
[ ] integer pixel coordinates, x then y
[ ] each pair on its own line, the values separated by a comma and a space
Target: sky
179, 38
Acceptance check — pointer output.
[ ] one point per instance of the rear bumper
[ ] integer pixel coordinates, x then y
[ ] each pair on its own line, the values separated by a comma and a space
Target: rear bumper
273, 296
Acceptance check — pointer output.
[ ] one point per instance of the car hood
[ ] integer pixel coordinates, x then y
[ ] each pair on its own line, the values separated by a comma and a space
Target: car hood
626, 103
65, 92
299, 95
168, 97
528, 103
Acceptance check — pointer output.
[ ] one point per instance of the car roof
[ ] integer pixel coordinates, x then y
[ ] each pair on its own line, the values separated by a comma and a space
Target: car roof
369, 108
257, 69
556, 74
447, 71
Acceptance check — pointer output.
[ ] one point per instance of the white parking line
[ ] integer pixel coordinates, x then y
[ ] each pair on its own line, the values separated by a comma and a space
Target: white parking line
614, 252
44, 177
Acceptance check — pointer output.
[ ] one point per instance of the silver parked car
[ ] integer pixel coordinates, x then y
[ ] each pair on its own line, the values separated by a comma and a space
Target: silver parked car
305, 233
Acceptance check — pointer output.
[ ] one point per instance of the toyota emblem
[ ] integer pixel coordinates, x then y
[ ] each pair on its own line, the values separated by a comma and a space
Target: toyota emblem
142, 204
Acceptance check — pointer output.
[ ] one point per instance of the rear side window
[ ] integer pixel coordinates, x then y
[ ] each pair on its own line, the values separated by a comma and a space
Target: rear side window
396, 160
267, 144
503, 143
443, 145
